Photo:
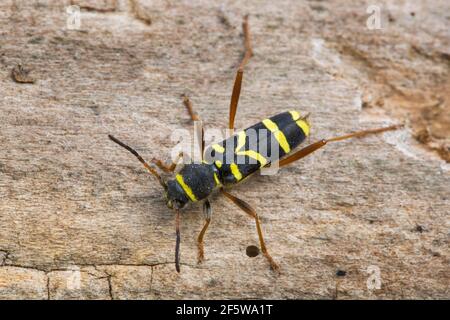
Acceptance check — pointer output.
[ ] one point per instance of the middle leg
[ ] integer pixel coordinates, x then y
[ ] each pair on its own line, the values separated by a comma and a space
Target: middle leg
207, 212
251, 212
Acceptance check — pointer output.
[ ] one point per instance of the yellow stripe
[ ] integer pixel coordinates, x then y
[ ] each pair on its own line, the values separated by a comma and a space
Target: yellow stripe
217, 179
218, 164
279, 135
249, 153
255, 155
218, 148
235, 171
241, 141
295, 115
185, 187
304, 126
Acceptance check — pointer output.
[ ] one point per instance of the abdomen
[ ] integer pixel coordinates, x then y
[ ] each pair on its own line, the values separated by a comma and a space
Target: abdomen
257, 146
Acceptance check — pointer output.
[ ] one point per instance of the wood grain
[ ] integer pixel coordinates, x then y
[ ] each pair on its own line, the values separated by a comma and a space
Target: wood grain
80, 217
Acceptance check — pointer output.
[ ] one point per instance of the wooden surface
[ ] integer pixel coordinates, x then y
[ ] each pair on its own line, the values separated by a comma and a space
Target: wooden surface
80, 218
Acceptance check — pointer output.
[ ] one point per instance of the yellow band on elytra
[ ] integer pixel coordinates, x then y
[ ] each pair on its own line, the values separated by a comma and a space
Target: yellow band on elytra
235, 171
249, 153
304, 126
278, 134
218, 148
295, 115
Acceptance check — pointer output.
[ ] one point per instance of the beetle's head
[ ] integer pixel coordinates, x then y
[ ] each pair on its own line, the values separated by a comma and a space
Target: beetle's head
175, 195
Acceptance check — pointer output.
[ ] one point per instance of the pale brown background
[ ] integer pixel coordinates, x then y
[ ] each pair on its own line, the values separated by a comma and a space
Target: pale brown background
72, 200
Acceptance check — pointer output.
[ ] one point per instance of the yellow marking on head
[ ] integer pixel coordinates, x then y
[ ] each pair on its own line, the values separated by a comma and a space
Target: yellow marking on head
278, 134
218, 148
218, 164
235, 171
249, 153
216, 179
185, 187
304, 126
295, 115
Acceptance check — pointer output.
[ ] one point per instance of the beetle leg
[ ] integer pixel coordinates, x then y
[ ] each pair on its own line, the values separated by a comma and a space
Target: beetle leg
319, 144
168, 168
200, 132
251, 212
207, 212
238, 80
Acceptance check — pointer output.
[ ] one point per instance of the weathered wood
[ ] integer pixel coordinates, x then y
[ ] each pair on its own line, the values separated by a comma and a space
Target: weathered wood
80, 217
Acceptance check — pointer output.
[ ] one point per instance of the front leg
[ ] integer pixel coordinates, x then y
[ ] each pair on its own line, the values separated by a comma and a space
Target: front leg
207, 211
168, 168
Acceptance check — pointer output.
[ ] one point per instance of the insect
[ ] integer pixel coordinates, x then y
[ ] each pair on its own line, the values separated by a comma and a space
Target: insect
197, 181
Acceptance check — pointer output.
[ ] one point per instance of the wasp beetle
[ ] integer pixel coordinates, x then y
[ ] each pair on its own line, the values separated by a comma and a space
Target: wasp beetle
197, 181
